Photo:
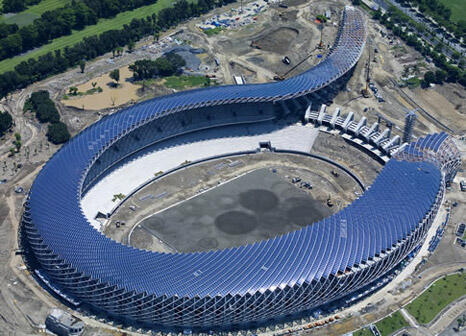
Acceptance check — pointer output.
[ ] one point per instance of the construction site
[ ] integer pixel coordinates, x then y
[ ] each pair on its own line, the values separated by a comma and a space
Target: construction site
243, 43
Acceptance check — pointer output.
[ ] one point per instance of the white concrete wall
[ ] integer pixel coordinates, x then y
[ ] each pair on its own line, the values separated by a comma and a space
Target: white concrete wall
191, 147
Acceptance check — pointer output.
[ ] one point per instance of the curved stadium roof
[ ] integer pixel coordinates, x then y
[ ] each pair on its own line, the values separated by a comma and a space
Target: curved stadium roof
390, 210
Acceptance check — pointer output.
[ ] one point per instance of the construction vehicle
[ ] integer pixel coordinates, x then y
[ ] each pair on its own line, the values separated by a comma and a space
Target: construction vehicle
365, 92
282, 77
329, 201
321, 43
255, 45
286, 60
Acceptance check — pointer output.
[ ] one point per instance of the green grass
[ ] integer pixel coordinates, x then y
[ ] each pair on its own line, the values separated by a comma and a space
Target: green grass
392, 323
21, 19
182, 82
103, 25
30, 14
213, 31
47, 5
458, 9
438, 296
413, 82
363, 332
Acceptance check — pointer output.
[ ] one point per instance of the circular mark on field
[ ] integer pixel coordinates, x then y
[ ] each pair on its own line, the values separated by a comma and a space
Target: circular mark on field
258, 200
303, 215
236, 222
207, 243
273, 223
225, 201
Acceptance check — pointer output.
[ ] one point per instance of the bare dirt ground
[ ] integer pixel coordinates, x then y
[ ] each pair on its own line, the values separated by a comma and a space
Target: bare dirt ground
278, 33
23, 304
337, 149
443, 102
189, 182
111, 95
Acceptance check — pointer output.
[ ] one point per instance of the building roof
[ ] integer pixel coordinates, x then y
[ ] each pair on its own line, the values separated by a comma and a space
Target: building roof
387, 213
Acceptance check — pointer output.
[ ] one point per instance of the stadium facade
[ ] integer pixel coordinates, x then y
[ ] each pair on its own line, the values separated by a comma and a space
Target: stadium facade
247, 285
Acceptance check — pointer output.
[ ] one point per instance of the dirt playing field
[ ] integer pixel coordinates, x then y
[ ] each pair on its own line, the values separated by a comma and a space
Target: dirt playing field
279, 40
256, 206
111, 96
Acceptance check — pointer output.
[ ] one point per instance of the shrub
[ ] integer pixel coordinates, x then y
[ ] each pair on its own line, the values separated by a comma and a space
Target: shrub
6, 121
57, 133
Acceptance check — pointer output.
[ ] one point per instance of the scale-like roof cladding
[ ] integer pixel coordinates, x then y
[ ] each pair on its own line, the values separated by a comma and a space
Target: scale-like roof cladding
197, 289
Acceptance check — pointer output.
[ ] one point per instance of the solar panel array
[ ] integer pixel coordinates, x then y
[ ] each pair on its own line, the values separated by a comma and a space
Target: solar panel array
239, 286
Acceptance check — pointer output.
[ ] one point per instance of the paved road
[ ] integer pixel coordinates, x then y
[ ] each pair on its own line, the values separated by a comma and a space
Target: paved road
447, 316
385, 4
412, 322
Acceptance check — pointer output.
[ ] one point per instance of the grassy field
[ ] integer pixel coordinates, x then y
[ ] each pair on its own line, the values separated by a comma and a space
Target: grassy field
392, 323
27, 16
182, 82
363, 332
438, 296
213, 31
103, 25
458, 9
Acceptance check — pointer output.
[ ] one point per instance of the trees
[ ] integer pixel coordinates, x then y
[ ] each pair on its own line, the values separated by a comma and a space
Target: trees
61, 21
35, 69
57, 133
453, 73
17, 141
429, 77
7, 29
143, 69
82, 65
6, 121
167, 65
13, 6
43, 106
115, 75
45, 110
409, 30
131, 46
73, 90
440, 76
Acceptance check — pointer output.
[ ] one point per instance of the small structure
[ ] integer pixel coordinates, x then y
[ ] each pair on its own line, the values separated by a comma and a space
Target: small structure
238, 80
63, 324
410, 118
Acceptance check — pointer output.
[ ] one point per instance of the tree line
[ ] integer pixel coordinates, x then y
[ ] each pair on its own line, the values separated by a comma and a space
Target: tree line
33, 70
167, 65
6, 121
62, 21
46, 112
15, 6
396, 20
441, 14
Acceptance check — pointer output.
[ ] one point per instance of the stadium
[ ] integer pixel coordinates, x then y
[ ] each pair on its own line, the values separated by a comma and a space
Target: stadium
244, 286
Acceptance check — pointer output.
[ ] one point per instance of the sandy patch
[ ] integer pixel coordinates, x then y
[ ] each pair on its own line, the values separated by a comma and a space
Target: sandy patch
442, 108
110, 96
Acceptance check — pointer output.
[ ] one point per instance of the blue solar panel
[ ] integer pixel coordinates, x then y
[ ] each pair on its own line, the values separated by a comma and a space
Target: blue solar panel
394, 206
